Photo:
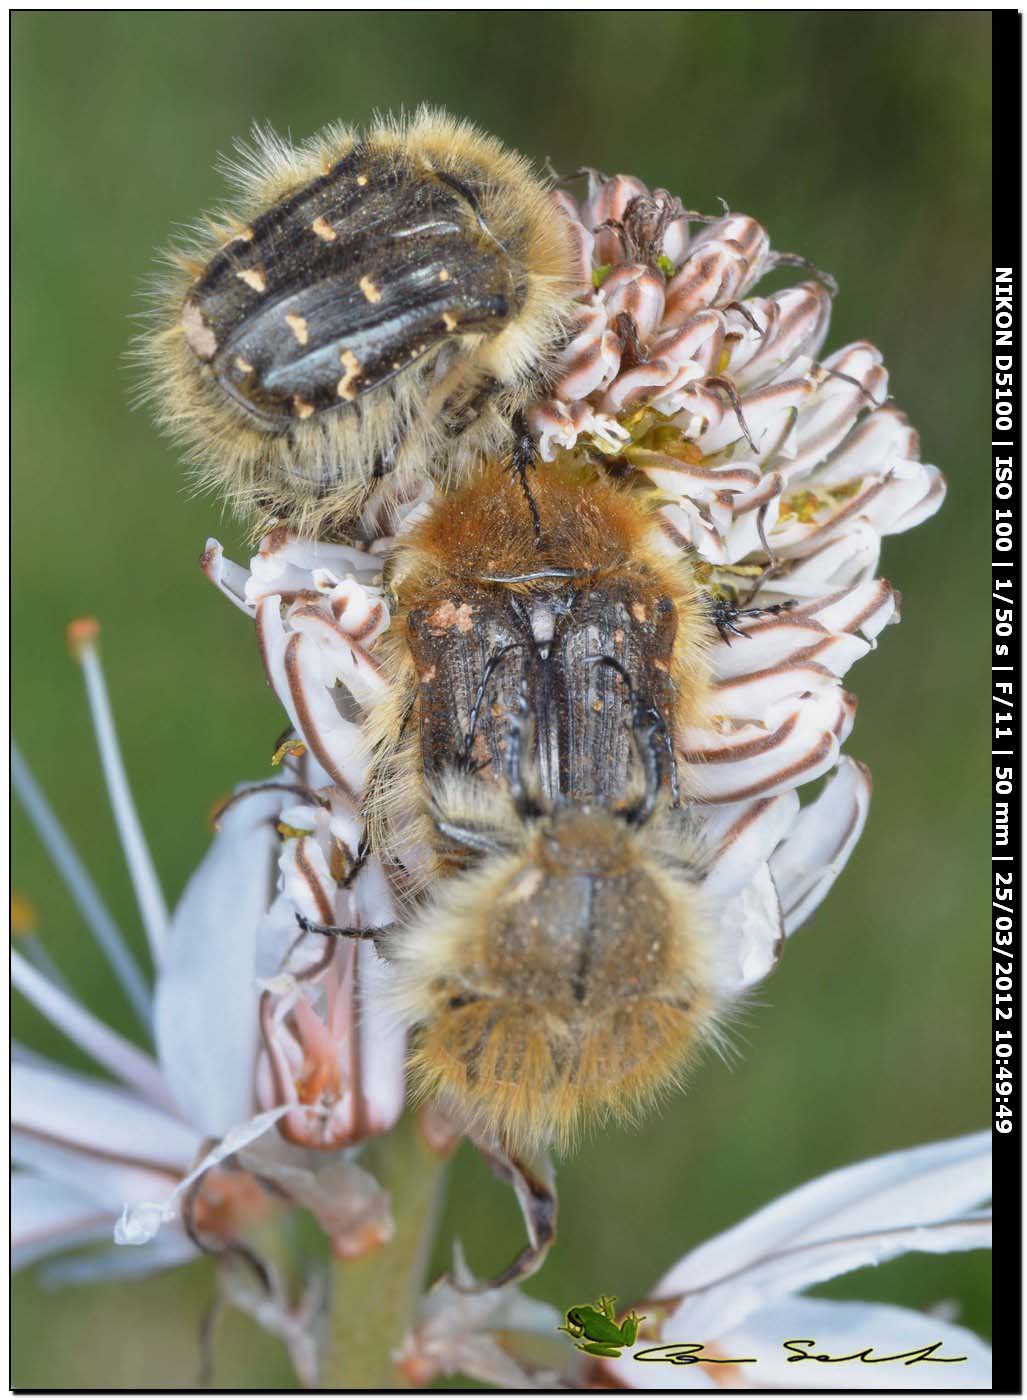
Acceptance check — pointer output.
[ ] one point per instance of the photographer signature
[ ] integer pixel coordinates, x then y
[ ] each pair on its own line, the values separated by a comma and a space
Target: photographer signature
692, 1354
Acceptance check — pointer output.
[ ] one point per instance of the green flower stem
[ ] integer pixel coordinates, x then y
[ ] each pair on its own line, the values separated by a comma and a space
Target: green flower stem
374, 1298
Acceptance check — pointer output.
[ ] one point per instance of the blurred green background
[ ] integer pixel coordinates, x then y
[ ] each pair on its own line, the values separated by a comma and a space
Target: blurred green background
861, 140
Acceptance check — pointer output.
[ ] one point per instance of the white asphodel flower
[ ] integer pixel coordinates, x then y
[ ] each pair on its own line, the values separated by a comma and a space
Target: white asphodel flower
256, 1067
734, 1313
778, 473
719, 395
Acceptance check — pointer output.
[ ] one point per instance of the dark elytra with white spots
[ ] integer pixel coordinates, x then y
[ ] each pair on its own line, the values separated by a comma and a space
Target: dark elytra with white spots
345, 284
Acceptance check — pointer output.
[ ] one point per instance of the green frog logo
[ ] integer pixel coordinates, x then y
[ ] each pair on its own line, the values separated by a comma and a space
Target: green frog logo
597, 1331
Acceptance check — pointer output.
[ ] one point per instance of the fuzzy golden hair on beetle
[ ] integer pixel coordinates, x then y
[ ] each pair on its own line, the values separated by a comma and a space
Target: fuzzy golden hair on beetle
553, 961
562, 981
371, 310
583, 585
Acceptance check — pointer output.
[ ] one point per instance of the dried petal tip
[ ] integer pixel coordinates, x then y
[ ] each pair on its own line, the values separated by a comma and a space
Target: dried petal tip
24, 916
81, 636
354, 1244
418, 1370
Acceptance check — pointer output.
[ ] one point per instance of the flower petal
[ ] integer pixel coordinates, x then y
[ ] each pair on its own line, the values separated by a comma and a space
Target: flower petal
111, 940
924, 508
294, 670
797, 742
99, 1118
878, 440
820, 843
750, 935
839, 1329
742, 835
167, 1251
106, 1179
140, 1222
47, 1215
228, 578
206, 1012
785, 640
794, 322
106, 1047
920, 1199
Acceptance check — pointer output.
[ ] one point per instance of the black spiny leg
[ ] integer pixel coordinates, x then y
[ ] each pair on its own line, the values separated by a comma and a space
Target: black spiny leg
368, 935
725, 614
523, 456
362, 857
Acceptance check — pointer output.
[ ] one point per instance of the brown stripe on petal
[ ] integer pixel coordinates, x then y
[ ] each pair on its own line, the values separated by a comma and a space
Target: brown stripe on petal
879, 598
771, 487
275, 539
289, 596
361, 1117
698, 284
731, 480
853, 507
805, 668
549, 416
305, 720
173, 1173
583, 359
582, 374
262, 651
312, 971
283, 1082
296, 1127
740, 231
785, 776
348, 638
882, 592
325, 912
803, 890
938, 487
748, 818
849, 706
865, 774
208, 558
641, 382
805, 611
672, 533
849, 829
810, 653
371, 624
813, 307
742, 752
581, 245
784, 622
849, 406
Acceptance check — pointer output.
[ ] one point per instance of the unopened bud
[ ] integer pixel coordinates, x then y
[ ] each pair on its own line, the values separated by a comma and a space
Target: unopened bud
81, 636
